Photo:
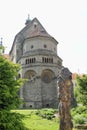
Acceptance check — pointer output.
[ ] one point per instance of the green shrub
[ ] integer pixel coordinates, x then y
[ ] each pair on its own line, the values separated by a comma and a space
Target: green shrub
11, 121
79, 115
79, 119
45, 113
79, 110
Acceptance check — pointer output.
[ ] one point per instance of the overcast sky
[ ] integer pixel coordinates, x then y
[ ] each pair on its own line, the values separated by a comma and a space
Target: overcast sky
65, 20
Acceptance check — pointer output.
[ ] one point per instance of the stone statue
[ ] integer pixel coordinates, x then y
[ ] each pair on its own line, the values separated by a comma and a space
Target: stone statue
64, 88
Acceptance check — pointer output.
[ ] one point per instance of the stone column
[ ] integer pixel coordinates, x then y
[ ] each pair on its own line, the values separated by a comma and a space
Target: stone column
64, 87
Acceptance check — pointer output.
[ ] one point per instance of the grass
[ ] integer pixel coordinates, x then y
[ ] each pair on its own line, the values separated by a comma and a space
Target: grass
36, 123
33, 121
42, 119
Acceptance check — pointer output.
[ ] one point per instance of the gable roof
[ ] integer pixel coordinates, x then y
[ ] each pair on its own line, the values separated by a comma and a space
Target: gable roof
32, 29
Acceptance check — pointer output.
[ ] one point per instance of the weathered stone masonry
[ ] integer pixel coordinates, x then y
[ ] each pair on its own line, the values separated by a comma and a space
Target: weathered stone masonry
36, 51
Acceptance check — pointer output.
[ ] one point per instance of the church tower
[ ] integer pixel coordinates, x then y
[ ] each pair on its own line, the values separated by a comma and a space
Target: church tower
36, 51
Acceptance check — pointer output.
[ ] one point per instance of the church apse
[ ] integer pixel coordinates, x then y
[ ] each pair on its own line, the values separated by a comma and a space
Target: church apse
36, 51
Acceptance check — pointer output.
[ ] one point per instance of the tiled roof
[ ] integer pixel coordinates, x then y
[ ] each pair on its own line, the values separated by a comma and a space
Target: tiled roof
38, 32
74, 76
7, 56
33, 29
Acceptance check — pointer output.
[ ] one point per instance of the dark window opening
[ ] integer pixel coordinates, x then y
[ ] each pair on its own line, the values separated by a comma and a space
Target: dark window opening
34, 60
45, 46
19, 76
26, 61
30, 106
24, 105
47, 60
35, 24
31, 60
43, 59
32, 46
47, 105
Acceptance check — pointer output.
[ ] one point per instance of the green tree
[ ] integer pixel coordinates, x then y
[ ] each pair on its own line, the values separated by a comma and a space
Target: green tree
9, 99
2, 48
82, 89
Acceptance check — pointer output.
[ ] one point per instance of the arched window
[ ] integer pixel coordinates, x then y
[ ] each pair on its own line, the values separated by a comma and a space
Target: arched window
26, 62
30, 60
47, 60
43, 59
30, 74
19, 76
34, 60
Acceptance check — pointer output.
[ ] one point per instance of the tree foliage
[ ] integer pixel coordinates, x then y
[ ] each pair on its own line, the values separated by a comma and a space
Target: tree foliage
82, 89
11, 121
9, 86
9, 99
2, 48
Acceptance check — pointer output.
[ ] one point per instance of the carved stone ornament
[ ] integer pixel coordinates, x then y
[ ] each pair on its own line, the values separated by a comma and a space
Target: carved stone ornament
65, 74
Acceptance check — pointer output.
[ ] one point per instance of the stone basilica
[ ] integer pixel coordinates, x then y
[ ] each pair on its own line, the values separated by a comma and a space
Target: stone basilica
36, 51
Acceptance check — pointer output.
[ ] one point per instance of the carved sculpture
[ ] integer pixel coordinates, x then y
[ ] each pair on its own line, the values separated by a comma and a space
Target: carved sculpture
64, 88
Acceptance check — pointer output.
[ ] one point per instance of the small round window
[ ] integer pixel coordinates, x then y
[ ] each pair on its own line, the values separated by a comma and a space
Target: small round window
45, 46
32, 46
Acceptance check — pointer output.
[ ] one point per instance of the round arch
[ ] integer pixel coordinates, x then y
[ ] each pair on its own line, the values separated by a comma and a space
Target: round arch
47, 75
30, 74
